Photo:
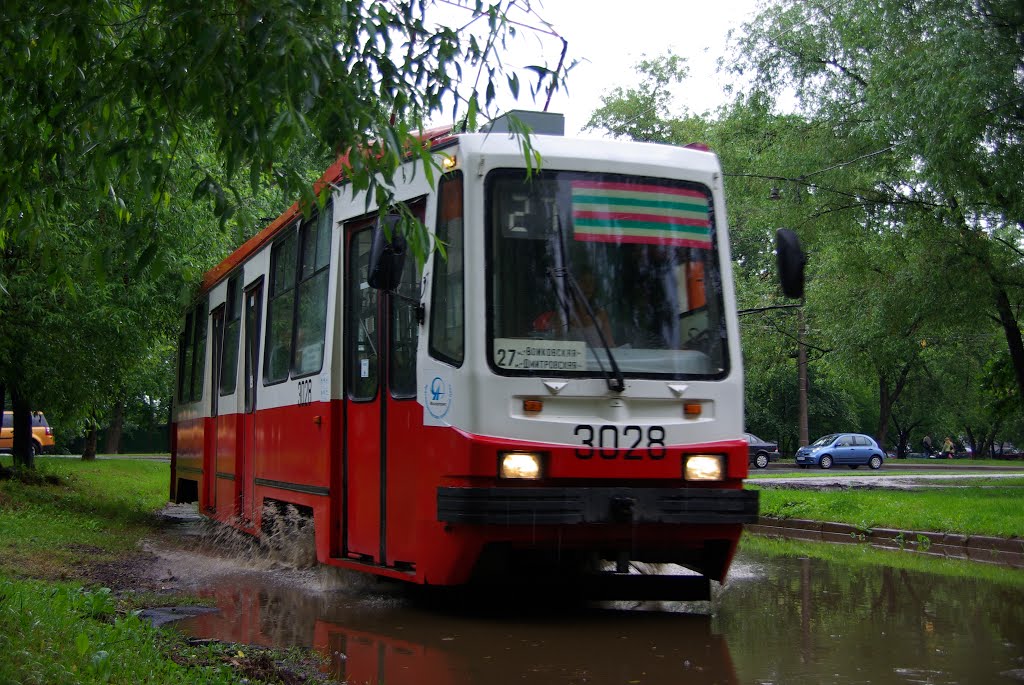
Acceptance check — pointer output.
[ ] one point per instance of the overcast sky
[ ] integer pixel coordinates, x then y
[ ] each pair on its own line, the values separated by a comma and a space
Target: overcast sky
610, 37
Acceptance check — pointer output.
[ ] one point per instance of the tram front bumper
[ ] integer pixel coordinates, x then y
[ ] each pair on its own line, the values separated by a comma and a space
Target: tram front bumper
576, 505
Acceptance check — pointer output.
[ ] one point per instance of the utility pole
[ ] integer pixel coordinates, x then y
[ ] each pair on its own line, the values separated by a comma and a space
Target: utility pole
802, 376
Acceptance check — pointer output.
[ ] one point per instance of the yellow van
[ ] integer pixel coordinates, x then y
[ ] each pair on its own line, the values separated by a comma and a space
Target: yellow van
42, 434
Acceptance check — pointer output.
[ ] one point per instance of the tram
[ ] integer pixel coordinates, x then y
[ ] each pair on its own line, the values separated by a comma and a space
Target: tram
554, 400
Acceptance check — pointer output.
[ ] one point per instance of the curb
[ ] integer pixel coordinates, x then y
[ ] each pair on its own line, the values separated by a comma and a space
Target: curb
984, 548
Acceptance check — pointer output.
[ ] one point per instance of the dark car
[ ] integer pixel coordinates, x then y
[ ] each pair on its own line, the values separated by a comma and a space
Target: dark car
760, 451
850, 449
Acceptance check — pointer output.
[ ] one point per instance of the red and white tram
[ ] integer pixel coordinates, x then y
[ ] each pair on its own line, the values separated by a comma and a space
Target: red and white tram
560, 394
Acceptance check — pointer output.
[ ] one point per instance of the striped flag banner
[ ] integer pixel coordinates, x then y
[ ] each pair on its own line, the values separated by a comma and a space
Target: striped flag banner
634, 213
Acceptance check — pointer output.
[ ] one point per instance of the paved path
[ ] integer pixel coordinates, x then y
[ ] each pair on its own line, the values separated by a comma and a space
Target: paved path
852, 479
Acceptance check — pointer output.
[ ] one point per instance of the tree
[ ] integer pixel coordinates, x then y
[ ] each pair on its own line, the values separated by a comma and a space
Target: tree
133, 131
878, 284
113, 90
936, 85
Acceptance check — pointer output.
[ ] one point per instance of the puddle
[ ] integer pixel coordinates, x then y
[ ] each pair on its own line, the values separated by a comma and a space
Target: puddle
777, 620
390, 638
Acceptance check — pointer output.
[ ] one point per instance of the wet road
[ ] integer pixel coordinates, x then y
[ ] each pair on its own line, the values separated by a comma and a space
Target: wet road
777, 620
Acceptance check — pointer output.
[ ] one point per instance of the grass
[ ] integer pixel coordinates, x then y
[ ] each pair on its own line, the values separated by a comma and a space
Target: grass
866, 556
63, 633
58, 626
992, 510
89, 512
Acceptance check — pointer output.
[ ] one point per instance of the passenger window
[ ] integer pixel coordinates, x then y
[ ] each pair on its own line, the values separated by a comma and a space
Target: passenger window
363, 356
405, 326
311, 307
199, 352
280, 310
185, 360
232, 327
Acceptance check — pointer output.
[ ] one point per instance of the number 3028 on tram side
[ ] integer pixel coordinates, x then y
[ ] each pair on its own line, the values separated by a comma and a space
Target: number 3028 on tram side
557, 396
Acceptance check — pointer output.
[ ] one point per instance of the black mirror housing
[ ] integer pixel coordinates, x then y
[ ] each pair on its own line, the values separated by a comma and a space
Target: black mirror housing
790, 259
387, 256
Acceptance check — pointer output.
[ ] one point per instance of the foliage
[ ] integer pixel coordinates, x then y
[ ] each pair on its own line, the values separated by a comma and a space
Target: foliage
135, 133
113, 90
933, 87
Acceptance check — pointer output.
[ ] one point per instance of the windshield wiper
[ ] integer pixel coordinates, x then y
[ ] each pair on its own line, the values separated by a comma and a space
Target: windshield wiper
616, 382
614, 378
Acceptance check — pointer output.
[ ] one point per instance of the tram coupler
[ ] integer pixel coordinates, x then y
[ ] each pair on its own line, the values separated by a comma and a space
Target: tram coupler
621, 509
622, 563
614, 586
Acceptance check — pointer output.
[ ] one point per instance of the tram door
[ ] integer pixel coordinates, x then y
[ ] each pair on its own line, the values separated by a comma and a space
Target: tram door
382, 412
245, 466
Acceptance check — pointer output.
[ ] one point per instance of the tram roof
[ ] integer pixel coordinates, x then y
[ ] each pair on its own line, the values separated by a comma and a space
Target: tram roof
436, 137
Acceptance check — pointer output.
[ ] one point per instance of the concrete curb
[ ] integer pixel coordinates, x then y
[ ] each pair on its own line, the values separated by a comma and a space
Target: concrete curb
993, 550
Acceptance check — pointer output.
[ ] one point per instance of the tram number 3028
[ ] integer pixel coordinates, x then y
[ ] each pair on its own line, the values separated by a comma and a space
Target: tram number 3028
613, 442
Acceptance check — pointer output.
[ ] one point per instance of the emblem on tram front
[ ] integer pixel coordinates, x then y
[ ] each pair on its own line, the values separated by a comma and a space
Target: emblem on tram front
437, 397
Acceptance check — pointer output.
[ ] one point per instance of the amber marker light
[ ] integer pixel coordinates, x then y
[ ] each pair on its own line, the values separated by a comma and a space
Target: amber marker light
532, 406
703, 467
449, 163
519, 465
691, 409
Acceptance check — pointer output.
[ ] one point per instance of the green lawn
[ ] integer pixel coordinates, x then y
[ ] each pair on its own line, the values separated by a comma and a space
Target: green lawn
57, 627
992, 508
867, 556
59, 632
90, 511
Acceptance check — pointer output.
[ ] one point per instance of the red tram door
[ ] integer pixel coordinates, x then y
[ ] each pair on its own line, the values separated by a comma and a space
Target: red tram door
245, 481
381, 410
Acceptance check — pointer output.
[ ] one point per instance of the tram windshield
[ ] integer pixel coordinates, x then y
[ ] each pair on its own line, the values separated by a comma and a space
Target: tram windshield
603, 274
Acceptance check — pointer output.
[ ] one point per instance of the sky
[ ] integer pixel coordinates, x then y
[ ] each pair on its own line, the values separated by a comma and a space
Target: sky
610, 37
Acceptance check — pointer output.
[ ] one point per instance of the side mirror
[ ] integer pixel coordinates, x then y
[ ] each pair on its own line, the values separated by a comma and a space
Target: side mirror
387, 256
790, 260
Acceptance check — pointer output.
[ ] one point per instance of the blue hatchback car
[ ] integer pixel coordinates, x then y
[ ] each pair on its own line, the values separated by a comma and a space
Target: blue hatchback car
851, 449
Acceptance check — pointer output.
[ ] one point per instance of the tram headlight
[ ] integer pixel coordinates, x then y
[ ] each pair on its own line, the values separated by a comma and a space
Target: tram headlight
521, 465
703, 467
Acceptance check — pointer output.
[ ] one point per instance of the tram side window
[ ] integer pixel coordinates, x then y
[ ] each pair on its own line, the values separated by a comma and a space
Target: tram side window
232, 327
199, 352
447, 313
192, 355
362, 323
280, 309
405, 330
185, 360
311, 305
